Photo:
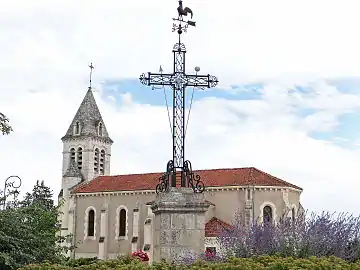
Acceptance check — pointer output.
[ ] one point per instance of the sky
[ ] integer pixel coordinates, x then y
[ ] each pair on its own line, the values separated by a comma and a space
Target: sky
288, 101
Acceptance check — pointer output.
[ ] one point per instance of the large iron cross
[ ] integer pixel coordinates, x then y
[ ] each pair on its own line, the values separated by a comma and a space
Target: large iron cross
178, 81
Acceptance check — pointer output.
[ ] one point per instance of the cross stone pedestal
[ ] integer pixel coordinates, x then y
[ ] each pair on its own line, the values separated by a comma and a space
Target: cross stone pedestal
179, 224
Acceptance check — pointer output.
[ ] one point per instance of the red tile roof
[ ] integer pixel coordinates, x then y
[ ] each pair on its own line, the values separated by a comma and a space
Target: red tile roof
211, 178
214, 227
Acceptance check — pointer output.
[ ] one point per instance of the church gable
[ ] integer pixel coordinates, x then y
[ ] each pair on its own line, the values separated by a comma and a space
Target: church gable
212, 178
73, 170
215, 226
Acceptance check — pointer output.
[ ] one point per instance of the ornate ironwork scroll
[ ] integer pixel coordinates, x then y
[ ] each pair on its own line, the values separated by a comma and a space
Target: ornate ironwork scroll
164, 180
12, 183
194, 180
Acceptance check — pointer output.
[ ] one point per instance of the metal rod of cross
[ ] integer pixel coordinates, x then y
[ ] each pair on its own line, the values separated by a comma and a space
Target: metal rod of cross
178, 167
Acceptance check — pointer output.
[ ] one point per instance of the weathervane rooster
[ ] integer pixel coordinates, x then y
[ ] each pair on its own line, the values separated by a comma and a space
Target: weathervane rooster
184, 11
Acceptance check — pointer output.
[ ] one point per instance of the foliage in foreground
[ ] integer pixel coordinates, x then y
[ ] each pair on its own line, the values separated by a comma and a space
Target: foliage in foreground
5, 127
28, 230
253, 263
320, 235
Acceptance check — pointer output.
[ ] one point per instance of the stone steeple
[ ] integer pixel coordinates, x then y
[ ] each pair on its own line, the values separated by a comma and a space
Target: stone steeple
88, 121
86, 153
87, 144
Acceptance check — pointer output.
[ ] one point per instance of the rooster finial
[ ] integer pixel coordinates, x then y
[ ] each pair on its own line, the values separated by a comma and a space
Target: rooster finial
184, 11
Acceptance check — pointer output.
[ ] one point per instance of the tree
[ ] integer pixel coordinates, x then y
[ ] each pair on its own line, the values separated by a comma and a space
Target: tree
15, 248
28, 231
5, 128
41, 195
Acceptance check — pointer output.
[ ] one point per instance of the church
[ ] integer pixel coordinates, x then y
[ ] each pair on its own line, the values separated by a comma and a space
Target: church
110, 215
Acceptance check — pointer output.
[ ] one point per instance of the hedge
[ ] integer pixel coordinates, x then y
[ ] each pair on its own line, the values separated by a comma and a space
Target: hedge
253, 263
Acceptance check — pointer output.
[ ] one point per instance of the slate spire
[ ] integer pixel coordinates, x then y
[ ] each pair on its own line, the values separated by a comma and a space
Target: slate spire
88, 121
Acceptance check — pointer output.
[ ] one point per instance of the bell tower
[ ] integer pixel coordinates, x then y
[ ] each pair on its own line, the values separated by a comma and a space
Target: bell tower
86, 154
86, 144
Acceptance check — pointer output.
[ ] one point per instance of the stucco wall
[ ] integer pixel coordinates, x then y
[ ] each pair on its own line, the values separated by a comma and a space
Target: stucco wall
114, 245
226, 204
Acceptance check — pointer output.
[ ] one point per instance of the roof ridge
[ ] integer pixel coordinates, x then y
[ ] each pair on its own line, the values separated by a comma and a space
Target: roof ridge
219, 220
233, 168
215, 226
128, 174
82, 184
277, 179
239, 168
213, 178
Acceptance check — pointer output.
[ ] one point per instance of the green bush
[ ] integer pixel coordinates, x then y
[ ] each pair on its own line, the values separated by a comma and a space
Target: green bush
80, 262
253, 263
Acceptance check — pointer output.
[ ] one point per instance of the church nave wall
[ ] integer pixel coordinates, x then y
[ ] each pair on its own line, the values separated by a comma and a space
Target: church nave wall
118, 238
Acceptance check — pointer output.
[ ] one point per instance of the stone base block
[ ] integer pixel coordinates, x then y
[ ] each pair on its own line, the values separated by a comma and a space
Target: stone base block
179, 227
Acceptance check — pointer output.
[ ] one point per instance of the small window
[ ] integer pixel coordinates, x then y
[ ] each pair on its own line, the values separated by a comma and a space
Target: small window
100, 129
122, 222
293, 215
79, 158
102, 162
267, 214
72, 154
96, 160
77, 128
91, 223
211, 250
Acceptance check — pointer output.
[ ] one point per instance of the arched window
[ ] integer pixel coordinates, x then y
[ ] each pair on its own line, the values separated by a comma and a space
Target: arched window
79, 158
72, 155
293, 215
77, 128
91, 223
102, 162
100, 129
122, 222
96, 160
267, 214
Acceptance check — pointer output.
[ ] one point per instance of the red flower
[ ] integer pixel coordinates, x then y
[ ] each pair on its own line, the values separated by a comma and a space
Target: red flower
209, 254
140, 255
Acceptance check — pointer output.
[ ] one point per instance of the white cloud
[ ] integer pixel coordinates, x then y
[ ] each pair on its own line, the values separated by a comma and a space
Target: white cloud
321, 121
45, 47
235, 40
221, 133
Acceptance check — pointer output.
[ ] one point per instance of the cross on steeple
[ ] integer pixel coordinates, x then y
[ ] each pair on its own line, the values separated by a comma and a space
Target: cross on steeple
91, 69
178, 81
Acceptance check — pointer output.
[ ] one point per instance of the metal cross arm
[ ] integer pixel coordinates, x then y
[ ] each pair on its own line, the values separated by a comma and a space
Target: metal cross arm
156, 79
201, 81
